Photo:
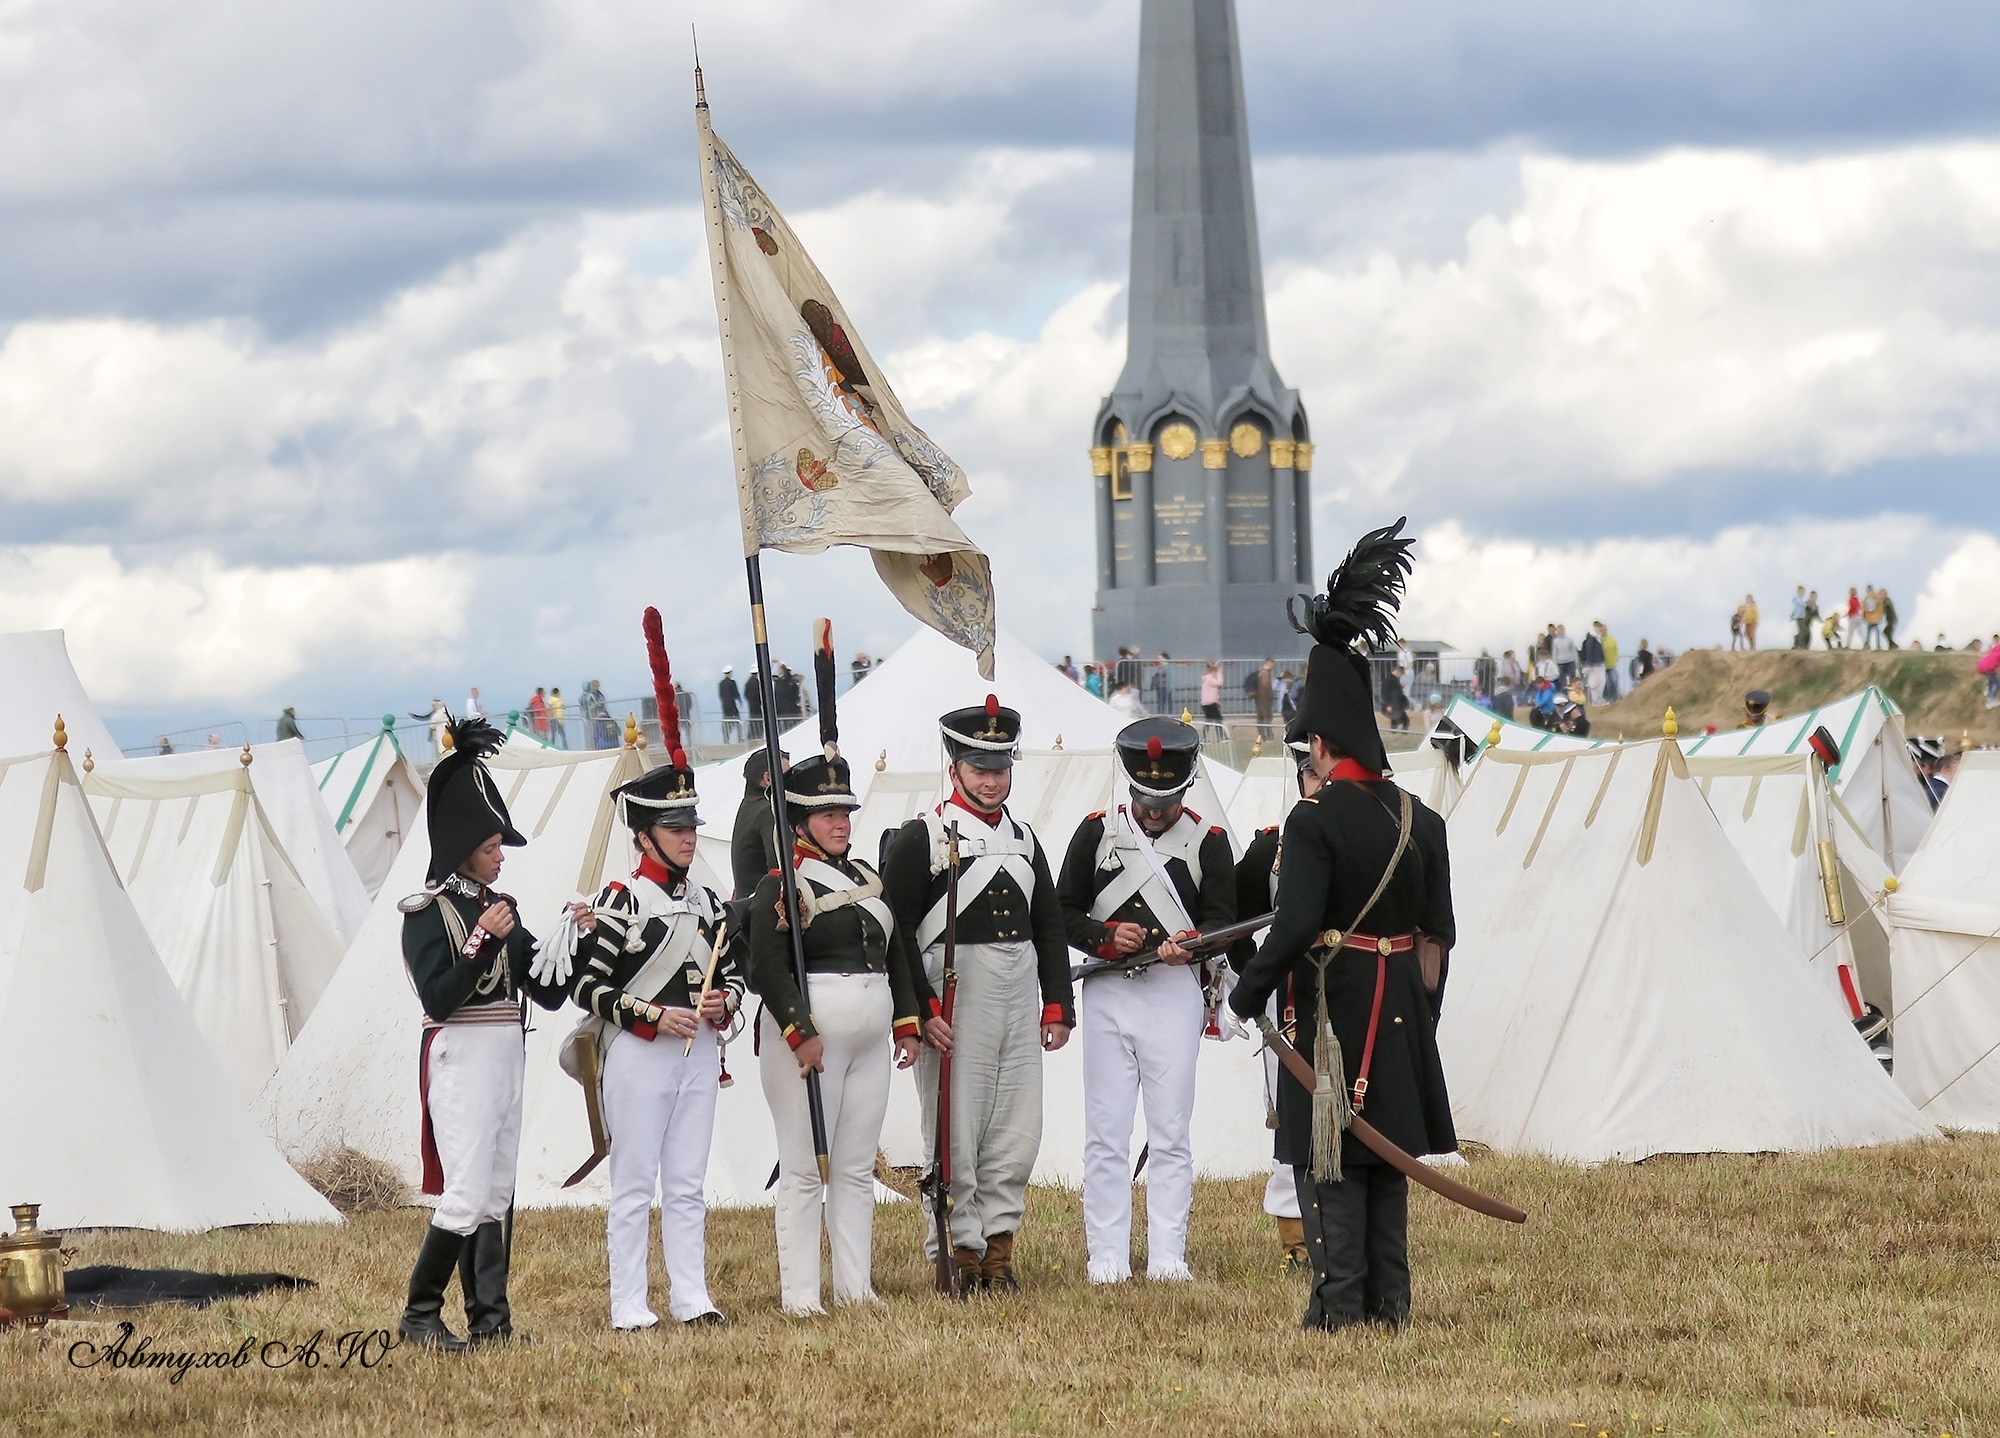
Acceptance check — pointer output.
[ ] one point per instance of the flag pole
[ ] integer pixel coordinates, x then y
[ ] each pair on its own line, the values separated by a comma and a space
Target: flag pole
754, 571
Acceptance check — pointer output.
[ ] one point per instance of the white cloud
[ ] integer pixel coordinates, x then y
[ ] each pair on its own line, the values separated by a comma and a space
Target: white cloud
1478, 591
1961, 599
193, 629
1628, 322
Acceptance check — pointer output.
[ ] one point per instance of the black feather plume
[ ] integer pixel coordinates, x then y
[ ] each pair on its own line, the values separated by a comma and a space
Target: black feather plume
1362, 595
824, 679
473, 737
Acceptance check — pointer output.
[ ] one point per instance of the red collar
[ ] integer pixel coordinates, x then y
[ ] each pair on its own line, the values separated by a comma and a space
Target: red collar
665, 875
804, 849
1354, 769
991, 821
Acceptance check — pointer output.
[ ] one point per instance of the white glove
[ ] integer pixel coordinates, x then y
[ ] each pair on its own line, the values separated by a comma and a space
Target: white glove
555, 959
1247, 1028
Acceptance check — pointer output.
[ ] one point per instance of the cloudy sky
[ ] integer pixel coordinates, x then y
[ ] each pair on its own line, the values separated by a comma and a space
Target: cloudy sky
353, 353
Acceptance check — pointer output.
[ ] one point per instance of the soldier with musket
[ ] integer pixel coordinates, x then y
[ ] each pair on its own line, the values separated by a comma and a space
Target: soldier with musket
657, 994
1364, 889
469, 959
865, 987
1142, 880
1013, 1000
1257, 893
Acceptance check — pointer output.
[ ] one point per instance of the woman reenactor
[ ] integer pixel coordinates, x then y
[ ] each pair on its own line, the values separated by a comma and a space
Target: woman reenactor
864, 987
658, 994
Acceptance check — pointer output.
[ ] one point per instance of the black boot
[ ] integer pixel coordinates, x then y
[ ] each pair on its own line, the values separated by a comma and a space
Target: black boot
482, 1275
423, 1316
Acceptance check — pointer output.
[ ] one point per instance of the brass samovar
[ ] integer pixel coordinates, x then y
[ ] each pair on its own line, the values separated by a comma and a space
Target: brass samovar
31, 1276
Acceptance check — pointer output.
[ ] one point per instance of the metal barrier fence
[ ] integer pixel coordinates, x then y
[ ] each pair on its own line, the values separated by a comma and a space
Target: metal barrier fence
1238, 730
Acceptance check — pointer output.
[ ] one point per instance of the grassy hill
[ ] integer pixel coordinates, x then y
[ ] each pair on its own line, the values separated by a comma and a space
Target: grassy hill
1940, 693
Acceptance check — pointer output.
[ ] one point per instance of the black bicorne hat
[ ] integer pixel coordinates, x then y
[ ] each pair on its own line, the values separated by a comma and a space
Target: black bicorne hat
1359, 607
462, 804
1159, 757
822, 780
986, 736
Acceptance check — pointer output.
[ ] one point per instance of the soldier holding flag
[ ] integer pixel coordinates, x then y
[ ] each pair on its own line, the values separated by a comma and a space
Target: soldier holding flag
1014, 1000
866, 985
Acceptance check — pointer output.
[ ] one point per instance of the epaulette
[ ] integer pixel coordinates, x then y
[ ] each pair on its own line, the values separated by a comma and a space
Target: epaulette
1218, 829
1272, 830
1098, 815
1308, 798
616, 886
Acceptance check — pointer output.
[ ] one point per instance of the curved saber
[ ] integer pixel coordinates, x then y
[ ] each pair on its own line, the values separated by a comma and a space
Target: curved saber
1412, 1168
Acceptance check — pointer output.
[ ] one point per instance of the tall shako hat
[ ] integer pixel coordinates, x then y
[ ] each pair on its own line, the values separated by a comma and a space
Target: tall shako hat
1158, 756
986, 736
822, 781
1359, 607
664, 795
462, 805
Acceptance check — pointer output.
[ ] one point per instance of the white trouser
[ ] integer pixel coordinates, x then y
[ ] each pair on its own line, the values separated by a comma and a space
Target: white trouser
854, 1014
1141, 1035
661, 1111
996, 1089
1281, 1191
475, 1103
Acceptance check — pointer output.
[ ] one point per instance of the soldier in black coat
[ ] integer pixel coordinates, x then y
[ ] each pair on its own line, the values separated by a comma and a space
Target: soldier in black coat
753, 842
1336, 934
470, 959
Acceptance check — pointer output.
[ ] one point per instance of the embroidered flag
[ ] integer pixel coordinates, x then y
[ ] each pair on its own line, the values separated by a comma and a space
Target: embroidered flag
825, 454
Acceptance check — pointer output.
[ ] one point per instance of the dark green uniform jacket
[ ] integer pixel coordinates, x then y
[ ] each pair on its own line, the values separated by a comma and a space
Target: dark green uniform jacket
447, 980
844, 941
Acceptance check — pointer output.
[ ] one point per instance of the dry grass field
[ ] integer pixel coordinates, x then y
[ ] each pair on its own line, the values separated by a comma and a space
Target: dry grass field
1852, 1292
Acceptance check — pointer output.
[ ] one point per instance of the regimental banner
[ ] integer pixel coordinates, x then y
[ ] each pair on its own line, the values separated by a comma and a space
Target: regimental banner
825, 454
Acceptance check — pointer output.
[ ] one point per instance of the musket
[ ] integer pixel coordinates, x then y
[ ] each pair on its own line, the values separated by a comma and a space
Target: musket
945, 1272
1204, 942
1410, 1167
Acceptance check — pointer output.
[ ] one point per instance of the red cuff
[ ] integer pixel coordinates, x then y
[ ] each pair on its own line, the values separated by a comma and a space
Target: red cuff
1053, 1014
1109, 950
644, 1030
907, 1028
793, 1037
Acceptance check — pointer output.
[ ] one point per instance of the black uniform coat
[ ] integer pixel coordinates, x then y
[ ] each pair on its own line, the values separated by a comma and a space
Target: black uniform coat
849, 940
607, 960
999, 914
1210, 904
447, 982
1254, 889
1336, 845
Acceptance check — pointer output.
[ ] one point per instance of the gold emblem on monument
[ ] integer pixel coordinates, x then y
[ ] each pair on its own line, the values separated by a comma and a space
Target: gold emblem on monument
1246, 439
1177, 441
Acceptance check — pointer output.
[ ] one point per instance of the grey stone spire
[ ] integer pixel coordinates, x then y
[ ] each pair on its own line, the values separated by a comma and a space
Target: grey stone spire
1201, 454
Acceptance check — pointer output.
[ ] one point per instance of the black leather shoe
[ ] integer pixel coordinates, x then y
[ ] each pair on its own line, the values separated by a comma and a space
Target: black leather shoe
710, 1319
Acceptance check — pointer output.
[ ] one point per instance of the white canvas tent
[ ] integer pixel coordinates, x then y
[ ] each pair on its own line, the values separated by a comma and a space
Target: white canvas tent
890, 717
351, 1077
241, 938
290, 795
40, 683
374, 797
1792, 832
1945, 954
118, 1113
1621, 988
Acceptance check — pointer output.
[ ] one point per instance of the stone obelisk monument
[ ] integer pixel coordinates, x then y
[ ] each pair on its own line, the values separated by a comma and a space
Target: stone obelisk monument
1201, 456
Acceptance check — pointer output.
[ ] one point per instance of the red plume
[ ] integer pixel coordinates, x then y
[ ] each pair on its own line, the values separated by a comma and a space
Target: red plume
663, 687
1154, 748
992, 706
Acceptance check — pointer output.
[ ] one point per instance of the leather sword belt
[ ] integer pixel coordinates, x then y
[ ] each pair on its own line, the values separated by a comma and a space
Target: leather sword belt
1381, 948
1366, 943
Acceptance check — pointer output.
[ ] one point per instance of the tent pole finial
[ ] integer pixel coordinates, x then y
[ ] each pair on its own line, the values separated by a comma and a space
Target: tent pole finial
1671, 726
633, 738
62, 735
89, 763
244, 757
1493, 735
882, 761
